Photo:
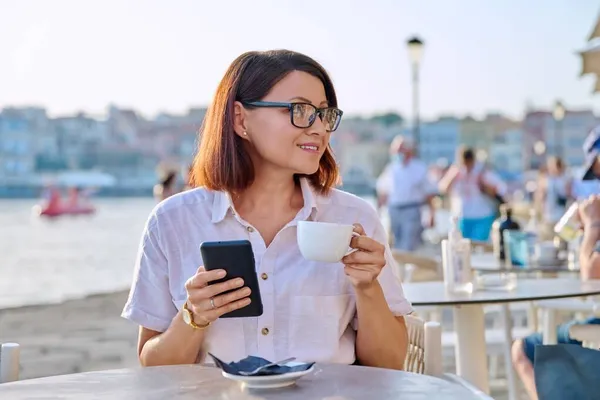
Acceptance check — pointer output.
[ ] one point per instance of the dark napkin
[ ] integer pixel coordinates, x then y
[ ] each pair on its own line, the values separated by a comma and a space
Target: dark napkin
250, 363
567, 371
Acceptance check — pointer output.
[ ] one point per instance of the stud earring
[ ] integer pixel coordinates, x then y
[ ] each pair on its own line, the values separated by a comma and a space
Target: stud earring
245, 133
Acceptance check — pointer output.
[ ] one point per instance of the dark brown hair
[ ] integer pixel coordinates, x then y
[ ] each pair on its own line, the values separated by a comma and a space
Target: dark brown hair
465, 154
558, 163
222, 162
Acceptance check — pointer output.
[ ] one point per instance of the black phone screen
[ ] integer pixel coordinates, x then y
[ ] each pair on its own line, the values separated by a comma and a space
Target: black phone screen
237, 258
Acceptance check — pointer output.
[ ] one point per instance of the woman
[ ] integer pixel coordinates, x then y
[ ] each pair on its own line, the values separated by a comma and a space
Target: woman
264, 163
473, 191
554, 191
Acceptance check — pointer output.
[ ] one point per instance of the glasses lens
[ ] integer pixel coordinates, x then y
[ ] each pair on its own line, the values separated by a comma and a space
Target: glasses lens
304, 115
331, 118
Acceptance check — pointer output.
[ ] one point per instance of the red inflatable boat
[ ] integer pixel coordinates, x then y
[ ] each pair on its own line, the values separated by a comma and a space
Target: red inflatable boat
58, 211
55, 207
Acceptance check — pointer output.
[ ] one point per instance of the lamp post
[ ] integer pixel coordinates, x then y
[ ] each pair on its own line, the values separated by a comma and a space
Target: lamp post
415, 53
559, 114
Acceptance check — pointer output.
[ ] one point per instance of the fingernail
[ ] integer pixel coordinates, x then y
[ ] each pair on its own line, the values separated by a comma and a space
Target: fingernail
246, 291
222, 273
239, 282
246, 301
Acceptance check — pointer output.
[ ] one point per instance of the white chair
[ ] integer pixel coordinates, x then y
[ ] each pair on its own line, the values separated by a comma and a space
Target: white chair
411, 267
424, 354
9, 362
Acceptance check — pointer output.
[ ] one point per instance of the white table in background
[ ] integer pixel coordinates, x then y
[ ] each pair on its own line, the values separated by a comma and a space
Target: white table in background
469, 322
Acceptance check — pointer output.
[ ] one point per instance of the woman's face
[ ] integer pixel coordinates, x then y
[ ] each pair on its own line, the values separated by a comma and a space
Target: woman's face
274, 141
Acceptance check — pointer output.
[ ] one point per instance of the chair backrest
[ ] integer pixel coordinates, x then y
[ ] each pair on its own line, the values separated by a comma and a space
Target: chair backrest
424, 354
9, 362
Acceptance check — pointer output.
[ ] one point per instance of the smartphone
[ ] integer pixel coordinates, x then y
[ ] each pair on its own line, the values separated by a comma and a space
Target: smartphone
237, 258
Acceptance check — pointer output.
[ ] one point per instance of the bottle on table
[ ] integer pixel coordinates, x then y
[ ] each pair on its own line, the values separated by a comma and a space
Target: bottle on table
456, 260
503, 223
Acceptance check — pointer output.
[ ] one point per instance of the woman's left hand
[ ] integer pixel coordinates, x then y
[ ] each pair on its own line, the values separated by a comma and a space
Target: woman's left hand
363, 266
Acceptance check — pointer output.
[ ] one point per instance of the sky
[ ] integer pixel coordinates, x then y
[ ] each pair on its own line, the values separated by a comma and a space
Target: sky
156, 55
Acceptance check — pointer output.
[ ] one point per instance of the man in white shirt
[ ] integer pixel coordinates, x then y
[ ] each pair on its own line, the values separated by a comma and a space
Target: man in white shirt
405, 187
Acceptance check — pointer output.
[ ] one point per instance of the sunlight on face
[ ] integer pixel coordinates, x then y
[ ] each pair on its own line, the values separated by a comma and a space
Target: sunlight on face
279, 144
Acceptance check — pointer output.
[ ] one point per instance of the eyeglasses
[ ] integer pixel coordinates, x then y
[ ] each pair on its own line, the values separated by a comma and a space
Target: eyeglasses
303, 115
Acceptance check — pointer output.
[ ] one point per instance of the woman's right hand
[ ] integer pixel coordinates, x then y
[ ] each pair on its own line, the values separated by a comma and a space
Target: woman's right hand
207, 302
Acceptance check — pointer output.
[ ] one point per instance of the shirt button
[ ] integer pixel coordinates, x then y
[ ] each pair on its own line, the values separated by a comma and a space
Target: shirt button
265, 331
264, 276
250, 229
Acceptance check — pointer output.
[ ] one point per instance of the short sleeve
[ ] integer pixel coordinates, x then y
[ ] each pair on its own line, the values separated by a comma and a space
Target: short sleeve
150, 302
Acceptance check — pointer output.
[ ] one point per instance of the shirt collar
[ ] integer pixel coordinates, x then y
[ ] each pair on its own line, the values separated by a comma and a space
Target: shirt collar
309, 211
222, 203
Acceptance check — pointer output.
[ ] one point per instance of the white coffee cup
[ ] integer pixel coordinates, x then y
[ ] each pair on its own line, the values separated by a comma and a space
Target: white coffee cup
324, 241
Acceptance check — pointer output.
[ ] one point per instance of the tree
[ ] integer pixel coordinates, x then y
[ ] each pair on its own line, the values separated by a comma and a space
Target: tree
388, 119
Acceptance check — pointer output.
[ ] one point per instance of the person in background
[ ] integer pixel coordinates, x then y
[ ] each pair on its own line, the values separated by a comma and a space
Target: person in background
473, 191
523, 350
405, 187
553, 192
166, 188
73, 199
588, 182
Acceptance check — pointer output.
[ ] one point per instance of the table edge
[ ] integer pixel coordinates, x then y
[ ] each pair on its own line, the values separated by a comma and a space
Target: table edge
501, 301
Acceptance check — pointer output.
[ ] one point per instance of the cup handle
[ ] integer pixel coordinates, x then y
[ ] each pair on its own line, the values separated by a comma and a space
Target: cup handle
354, 234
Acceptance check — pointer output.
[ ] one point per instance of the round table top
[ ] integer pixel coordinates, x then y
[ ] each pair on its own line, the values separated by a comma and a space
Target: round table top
435, 293
487, 262
328, 382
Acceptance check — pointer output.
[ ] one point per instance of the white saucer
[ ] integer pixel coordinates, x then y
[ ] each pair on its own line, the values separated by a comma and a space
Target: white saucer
270, 381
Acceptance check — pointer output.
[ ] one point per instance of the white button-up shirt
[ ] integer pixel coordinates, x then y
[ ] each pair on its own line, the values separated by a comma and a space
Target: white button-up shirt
308, 307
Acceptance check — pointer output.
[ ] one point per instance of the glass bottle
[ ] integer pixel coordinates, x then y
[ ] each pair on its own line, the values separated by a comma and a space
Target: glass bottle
503, 223
456, 260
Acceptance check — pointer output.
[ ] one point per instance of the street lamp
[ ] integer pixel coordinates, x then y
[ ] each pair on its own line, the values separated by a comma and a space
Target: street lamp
415, 53
539, 149
559, 114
